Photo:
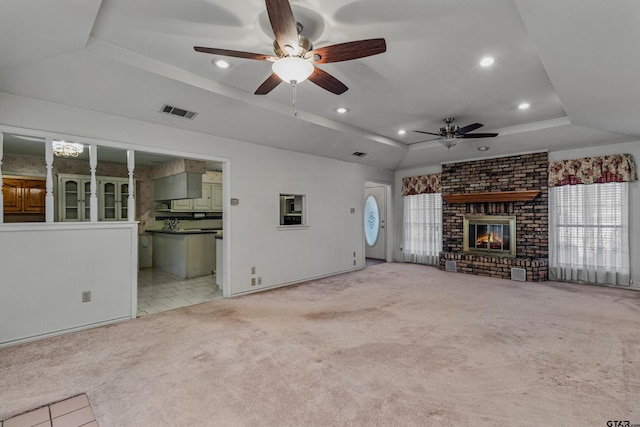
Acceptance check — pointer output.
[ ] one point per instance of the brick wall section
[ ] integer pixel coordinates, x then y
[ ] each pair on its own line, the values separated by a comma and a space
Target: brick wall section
513, 173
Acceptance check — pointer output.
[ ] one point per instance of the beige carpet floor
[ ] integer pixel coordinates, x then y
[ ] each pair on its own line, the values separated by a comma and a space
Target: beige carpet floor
393, 344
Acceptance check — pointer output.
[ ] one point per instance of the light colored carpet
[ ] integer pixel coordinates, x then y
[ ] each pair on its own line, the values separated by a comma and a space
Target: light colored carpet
393, 344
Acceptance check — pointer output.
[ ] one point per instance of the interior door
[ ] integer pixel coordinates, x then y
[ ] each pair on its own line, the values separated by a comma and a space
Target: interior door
375, 216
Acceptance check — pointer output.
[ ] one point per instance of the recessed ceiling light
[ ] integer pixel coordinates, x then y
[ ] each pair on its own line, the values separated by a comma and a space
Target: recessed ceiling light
402, 132
487, 61
524, 106
483, 148
341, 110
221, 63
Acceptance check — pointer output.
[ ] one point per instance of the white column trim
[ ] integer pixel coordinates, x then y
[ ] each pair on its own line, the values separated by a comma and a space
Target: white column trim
49, 199
131, 204
93, 197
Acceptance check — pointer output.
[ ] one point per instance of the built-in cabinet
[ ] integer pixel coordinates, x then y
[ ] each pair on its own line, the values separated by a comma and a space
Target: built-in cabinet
113, 199
211, 200
74, 192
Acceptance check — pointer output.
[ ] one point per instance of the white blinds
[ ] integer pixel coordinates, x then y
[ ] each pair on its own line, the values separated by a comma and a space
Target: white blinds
589, 233
422, 240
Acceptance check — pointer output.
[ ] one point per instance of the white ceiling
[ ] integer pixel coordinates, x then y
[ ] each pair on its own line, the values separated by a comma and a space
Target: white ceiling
575, 61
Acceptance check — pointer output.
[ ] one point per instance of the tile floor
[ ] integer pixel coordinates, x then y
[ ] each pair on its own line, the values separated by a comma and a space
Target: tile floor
73, 412
159, 291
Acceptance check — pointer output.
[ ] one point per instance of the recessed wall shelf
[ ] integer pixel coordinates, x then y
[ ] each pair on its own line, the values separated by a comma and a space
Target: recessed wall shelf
500, 196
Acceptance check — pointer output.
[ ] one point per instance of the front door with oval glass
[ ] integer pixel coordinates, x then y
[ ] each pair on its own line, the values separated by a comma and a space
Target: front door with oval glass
375, 222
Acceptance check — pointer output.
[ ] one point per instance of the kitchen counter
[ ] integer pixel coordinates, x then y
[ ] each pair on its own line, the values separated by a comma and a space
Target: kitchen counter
185, 253
189, 231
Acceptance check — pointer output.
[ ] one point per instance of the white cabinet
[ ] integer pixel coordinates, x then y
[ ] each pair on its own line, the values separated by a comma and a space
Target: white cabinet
182, 205
73, 198
216, 197
211, 200
185, 255
113, 199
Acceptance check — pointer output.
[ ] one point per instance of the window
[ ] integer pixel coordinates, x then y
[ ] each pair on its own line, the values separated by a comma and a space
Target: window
422, 241
590, 233
293, 210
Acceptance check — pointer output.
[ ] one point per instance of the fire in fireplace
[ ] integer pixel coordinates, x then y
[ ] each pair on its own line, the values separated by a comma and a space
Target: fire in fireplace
490, 234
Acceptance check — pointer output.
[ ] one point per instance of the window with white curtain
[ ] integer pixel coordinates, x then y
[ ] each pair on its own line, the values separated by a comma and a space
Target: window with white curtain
422, 241
589, 233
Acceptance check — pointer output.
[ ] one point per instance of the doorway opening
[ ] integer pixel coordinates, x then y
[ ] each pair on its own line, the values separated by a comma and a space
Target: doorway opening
376, 197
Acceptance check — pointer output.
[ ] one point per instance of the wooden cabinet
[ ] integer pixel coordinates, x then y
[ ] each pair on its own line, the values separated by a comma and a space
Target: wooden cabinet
24, 195
74, 195
211, 200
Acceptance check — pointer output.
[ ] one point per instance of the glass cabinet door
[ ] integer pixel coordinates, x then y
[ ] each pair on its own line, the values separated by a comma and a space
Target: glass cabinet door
71, 201
109, 209
124, 200
87, 200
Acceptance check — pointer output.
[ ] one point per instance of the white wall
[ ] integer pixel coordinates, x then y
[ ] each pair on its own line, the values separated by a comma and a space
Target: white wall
257, 175
44, 268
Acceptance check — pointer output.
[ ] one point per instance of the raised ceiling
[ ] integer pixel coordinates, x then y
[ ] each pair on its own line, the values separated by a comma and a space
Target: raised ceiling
576, 63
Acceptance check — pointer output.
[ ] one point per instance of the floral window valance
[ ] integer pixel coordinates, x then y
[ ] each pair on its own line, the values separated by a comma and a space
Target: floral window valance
592, 170
421, 184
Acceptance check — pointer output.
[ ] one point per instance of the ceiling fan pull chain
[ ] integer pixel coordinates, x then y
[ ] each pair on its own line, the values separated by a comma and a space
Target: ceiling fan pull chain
295, 107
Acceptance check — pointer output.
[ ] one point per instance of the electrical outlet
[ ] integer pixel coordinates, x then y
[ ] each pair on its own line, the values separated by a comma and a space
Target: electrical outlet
253, 281
354, 254
253, 270
354, 262
259, 280
86, 296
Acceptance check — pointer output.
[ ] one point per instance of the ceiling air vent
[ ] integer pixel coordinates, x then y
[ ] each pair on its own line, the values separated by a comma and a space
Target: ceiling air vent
175, 111
359, 154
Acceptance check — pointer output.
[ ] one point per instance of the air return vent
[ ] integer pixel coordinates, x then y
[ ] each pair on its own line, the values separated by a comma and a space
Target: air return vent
359, 154
519, 274
175, 111
450, 266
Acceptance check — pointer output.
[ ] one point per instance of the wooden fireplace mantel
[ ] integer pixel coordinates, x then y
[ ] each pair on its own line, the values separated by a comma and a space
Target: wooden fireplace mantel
500, 196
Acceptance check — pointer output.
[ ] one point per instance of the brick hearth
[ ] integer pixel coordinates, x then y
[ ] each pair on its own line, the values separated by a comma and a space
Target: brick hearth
504, 174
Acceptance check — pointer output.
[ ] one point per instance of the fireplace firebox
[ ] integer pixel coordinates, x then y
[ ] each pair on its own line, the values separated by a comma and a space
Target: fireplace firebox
490, 234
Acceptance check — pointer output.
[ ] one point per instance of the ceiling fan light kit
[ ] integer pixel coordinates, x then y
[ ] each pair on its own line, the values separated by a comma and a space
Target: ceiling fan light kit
295, 57
292, 69
449, 134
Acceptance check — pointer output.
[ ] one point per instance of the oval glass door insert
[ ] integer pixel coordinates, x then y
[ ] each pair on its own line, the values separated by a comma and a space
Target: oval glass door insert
371, 220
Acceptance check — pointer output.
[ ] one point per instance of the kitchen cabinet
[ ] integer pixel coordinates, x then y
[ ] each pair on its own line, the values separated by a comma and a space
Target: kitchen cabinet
185, 255
113, 199
74, 194
182, 205
23, 195
211, 200
216, 197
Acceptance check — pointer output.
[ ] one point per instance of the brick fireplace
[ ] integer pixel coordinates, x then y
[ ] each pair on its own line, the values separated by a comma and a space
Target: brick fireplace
495, 189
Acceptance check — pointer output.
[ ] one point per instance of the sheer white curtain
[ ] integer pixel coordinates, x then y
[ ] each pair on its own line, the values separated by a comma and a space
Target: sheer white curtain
589, 233
422, 240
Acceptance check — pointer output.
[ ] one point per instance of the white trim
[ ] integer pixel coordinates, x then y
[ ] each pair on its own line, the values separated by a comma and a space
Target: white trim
63, 331
494, 157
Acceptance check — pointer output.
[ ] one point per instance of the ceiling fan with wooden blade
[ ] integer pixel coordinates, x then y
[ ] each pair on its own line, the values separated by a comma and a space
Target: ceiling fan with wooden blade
450, 133
294, 58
